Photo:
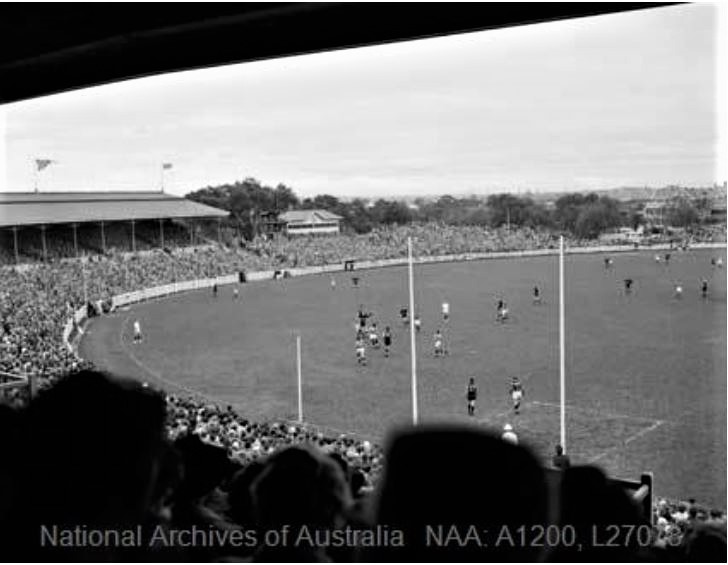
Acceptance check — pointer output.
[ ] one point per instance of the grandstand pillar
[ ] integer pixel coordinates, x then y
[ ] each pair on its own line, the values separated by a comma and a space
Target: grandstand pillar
43, 240
161, 233
219, 231
133, 238
103, 238
75, 239
15, 243
192, 234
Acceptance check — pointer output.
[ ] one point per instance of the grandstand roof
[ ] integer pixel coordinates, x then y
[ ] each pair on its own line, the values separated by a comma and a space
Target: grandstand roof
46, 208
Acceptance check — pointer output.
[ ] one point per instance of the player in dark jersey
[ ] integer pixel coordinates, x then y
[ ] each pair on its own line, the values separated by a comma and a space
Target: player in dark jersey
667, 258
501, 314
214, 290
403, 314
471, 394
363, 316
517, 393
628, 285
536, 295
387, 340
704, 288
608, 262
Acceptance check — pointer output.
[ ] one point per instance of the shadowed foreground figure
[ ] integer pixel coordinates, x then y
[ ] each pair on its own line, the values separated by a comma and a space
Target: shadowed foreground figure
91, 453
461, 483
602, 514
299, 487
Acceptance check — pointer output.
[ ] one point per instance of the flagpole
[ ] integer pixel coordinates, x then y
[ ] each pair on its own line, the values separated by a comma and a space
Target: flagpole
562, 365
413, 352
299, 379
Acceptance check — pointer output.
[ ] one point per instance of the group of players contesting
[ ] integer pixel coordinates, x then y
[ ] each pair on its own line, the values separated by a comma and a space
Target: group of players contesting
368, 334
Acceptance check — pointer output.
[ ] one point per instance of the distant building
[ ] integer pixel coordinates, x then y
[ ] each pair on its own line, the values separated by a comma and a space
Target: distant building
718, 210
655, 212
623, 235
310, 222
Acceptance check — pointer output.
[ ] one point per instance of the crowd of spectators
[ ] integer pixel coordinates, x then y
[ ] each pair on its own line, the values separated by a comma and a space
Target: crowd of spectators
37, 300
88, 461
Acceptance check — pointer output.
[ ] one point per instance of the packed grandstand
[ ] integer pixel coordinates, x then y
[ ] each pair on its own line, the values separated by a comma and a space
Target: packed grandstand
228, 472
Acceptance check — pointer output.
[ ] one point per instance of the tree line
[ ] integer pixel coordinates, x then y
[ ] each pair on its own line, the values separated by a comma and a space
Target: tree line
583, 215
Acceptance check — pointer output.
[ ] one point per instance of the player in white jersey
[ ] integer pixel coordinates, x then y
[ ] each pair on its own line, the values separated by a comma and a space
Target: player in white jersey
439, 347
678, 290
361, 352
236, 292
517, 392
373, 336
137, 332
418, 323
445, 311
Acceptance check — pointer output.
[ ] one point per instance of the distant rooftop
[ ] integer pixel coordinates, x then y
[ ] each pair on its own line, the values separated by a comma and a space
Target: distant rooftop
308, 216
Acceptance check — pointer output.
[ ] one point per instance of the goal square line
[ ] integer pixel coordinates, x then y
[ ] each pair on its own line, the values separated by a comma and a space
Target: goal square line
591, 434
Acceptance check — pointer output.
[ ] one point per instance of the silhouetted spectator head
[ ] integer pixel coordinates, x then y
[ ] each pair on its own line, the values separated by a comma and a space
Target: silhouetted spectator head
560, 460
593, 504
240, 496
705, 543
299, 486
458, 478
93, 448
205, 466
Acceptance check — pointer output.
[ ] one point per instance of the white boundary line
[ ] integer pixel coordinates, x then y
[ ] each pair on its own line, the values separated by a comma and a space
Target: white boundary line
492, 418
656, 424
155, 374
596, 412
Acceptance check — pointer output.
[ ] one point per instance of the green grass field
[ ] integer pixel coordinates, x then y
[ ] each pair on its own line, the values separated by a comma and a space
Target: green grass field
646, 372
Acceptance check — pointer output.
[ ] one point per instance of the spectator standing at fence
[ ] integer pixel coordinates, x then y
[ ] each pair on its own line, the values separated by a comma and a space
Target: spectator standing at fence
560, 460
509, 435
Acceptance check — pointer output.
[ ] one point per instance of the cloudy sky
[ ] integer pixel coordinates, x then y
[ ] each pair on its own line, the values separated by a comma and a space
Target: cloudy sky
626, 99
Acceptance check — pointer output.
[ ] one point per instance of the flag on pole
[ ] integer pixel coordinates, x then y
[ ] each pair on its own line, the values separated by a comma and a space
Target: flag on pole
166, 166
41, 164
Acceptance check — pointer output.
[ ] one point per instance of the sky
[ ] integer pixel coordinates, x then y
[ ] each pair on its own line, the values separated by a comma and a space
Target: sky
628, 99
